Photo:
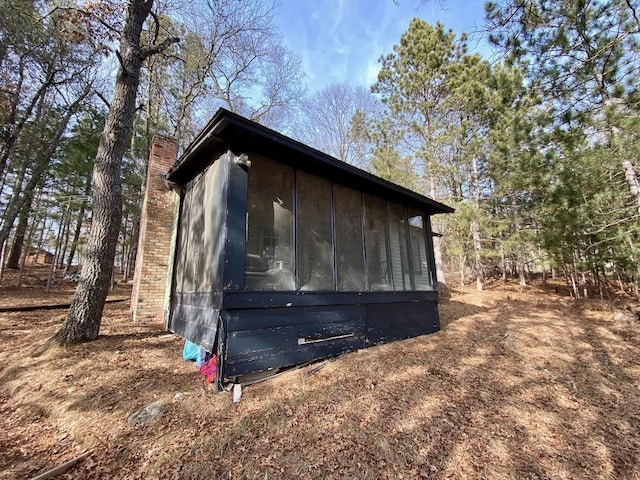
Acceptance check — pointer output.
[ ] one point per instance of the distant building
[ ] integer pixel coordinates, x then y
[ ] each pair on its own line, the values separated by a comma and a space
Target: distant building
37, 256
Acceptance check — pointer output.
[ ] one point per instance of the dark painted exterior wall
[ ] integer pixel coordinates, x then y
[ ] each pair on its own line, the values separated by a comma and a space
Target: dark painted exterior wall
254, 331
316, 325
200, 258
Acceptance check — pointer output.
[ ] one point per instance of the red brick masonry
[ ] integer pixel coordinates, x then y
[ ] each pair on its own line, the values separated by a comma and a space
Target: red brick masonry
148, 299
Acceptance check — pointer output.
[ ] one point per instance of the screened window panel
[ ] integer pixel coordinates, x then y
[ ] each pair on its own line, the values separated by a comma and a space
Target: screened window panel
349, 248
182, 245
375, 234
211, 205
315, 243
399, 248
269, 243
196, 234
419, 262
192, 248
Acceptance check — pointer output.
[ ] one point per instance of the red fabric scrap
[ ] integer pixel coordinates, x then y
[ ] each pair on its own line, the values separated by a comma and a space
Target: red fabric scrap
208, 369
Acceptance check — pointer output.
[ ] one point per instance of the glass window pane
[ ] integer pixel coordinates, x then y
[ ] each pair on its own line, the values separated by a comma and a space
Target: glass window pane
349, 248
398, 248
315, 245
419, 262
375, 234
269, 250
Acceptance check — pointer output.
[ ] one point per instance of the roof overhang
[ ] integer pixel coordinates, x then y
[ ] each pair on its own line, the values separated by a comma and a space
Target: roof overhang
229, 131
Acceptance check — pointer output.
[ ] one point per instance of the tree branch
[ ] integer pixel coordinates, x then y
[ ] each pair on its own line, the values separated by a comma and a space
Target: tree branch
633, 12
121, 62
156, 29
103, 98
161, 47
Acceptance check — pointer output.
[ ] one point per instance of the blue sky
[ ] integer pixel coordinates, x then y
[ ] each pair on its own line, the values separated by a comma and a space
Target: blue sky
342, 40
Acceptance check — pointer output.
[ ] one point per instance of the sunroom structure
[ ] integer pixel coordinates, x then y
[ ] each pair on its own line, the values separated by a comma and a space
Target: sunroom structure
285, 254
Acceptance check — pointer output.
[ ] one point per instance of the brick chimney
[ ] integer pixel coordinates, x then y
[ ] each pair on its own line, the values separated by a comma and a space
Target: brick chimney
158, 226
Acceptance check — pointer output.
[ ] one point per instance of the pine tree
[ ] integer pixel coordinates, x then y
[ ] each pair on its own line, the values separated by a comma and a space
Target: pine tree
435, 93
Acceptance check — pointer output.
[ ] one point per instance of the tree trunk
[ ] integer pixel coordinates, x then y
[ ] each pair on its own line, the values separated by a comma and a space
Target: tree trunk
79, 221
18, 124
76, 236
3, 251
503, 260
462, 261
65, 242
574, 285
632, 179
13, 261
123, 248
437, 245
43, 234
54, 262
83, 320
477, 246
18, 200
596, 277
32, 229
475, 226
522, 277
12, 206
437, 253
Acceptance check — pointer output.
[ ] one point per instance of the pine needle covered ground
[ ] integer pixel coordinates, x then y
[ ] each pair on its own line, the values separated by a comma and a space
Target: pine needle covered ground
517, 385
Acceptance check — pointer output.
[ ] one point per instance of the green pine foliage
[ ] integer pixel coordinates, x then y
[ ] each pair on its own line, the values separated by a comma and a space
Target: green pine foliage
538, 153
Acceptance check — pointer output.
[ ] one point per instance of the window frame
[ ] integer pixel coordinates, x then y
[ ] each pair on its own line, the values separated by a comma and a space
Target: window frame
296, 240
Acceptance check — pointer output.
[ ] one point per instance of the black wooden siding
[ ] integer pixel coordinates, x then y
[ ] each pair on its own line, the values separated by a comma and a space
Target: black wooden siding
262, 337
261, 330
257, 331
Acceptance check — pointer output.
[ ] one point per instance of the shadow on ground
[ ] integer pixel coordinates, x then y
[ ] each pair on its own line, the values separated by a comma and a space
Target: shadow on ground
516, 385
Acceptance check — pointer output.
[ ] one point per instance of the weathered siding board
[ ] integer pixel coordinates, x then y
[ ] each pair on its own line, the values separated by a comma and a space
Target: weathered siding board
216, 211
248, 362
213, 238
266, 338
196, 324
212, 299
388, 322
236, 223
183, 233
259, 339
221, 350
195, 313
241, 300
255, 319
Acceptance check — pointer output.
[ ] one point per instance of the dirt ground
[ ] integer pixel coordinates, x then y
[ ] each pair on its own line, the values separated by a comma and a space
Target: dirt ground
518, 384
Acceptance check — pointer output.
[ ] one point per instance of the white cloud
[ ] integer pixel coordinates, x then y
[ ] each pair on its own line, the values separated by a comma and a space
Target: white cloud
371, 73
342, 41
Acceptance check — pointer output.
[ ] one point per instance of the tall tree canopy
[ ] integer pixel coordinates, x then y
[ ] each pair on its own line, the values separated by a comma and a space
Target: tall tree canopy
433, 89
584, 60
